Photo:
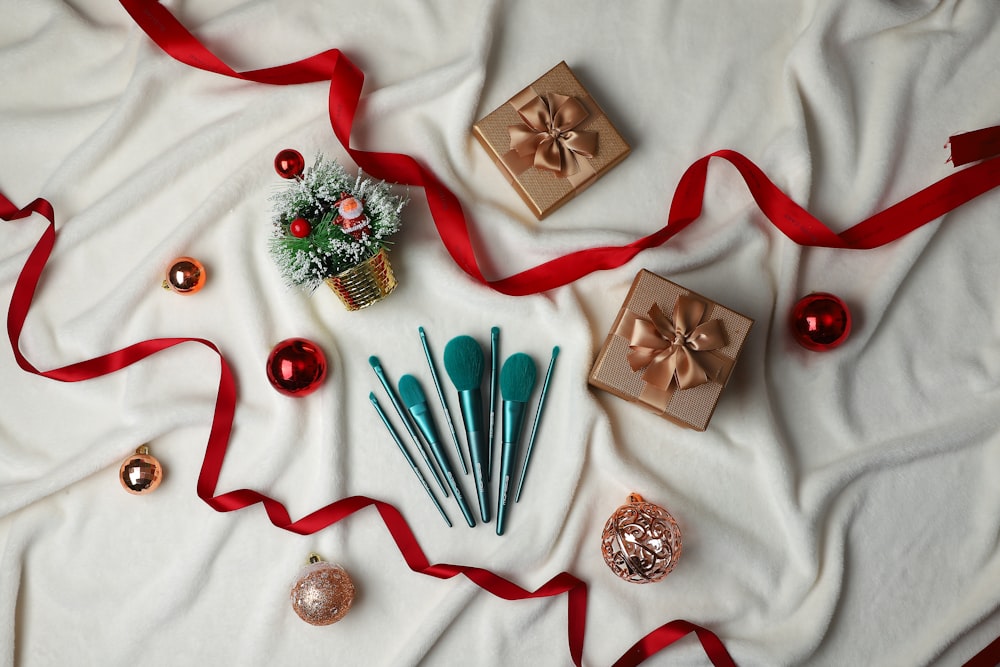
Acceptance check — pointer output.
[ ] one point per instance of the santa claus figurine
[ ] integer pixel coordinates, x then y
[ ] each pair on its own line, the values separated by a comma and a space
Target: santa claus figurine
351, 216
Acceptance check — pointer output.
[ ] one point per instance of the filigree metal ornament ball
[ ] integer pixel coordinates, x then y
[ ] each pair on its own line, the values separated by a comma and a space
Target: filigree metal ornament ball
322, 593
641, 542
141, 472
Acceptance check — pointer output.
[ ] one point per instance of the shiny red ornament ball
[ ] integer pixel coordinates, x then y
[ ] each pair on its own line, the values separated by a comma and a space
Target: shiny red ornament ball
289, 163
296, 367
299, 228
820, 321
186, 275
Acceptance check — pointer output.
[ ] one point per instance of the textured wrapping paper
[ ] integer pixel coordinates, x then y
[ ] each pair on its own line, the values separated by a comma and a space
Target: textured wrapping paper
690, 407
541, 189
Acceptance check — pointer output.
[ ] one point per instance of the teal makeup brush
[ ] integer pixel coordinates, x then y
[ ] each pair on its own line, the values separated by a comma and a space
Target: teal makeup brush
415, 401
380, 374
494, 370
444, 403
463, 361
517, 380
538, 418
406, 455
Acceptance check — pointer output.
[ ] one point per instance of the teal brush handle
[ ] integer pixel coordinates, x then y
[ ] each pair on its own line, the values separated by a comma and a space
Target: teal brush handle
380, 374
406, 455
422, 418
471, 401
513, 420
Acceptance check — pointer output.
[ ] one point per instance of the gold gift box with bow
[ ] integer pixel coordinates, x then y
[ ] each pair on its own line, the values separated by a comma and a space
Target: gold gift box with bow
551, 140
670, 350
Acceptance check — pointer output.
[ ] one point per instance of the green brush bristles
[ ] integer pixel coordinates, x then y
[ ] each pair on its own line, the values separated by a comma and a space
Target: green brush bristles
463, 360
327, 249
410, 391
517, 378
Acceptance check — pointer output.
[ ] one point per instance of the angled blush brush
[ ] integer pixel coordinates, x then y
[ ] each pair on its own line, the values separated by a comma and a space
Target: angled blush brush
517, 381
416, 402
463, 361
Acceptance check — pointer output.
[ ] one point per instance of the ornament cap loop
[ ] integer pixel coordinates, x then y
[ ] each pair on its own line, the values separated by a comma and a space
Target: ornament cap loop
634, 498
314, 558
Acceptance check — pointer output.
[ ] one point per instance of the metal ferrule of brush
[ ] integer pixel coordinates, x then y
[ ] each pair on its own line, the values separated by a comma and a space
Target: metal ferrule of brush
471, 401
513, 421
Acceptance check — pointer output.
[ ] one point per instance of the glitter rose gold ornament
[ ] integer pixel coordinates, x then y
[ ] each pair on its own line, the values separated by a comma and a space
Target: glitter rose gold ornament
186, 275
140, 473
641, 542
322, 593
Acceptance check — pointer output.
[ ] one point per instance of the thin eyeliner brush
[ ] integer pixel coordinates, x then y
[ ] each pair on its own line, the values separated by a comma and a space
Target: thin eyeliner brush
377, 367
444, 403
494, 364
538, 418
406, 455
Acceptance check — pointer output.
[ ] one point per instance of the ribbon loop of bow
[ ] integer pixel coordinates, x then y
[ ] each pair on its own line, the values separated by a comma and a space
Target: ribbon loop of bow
548, 133
679, 349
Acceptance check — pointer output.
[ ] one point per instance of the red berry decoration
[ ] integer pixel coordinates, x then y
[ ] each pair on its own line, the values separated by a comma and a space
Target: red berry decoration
289, 163
296, 367
299, 228
820, 321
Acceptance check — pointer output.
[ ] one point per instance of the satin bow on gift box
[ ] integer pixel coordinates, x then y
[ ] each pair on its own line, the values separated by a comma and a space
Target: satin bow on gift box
679, 349
547, 133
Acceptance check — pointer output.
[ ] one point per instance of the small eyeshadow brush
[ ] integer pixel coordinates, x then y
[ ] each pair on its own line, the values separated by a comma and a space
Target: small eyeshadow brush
463, 361
517, 381
407, 456
444, 403
494, 370
538, 418
416, 402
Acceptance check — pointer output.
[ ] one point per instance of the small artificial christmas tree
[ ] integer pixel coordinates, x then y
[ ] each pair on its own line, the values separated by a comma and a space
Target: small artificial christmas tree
330, 227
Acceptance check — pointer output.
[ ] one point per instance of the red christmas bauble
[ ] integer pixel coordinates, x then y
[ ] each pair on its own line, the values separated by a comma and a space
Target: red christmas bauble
296, 367
289, 163
299, 228
186, 275
820, 321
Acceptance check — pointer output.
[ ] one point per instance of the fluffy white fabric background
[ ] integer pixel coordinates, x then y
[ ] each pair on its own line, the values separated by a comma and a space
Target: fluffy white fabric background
842, 509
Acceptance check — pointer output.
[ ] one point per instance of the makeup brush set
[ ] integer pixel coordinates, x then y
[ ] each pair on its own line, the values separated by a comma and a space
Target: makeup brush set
465, 363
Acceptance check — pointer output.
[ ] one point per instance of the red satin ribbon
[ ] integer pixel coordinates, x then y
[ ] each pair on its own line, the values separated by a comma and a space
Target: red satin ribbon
346, 81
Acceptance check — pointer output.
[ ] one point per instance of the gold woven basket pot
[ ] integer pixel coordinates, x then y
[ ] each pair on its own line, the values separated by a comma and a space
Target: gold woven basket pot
365, 284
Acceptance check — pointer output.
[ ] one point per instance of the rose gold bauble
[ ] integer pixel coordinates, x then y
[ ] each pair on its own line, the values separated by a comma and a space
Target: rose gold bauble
186, 275
322, 593
641, 542
140, 473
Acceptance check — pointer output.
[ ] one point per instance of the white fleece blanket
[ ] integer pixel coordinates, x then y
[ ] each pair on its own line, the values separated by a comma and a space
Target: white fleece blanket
842, 508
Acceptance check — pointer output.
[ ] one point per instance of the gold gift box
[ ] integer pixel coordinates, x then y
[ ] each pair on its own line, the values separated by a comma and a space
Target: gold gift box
646, 329
551, 140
